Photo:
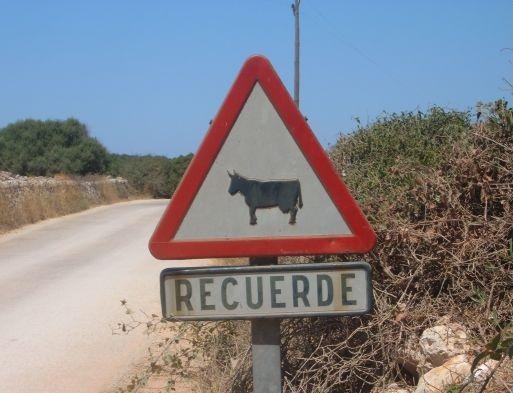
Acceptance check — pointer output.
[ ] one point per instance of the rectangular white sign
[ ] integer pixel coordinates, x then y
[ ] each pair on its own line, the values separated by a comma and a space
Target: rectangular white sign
266, 291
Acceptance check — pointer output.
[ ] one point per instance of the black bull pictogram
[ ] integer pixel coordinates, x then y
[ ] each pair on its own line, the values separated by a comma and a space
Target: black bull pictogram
258, 194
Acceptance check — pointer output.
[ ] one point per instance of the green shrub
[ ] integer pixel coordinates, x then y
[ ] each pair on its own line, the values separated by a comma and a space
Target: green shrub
157, 176
385, 157
43, 148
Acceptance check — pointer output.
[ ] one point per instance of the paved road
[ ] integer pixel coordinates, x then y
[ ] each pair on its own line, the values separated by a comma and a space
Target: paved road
60, 286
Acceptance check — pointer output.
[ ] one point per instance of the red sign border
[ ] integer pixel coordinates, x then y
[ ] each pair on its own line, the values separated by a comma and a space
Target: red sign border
259, 69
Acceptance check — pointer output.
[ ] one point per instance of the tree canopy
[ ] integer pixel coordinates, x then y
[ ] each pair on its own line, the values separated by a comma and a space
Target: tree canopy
43, 148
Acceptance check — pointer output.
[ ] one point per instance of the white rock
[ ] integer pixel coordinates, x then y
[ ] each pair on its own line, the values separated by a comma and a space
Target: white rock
484, 370
453, 371
440, 343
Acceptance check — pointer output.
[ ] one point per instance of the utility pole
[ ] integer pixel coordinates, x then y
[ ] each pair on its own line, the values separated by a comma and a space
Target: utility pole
295, 10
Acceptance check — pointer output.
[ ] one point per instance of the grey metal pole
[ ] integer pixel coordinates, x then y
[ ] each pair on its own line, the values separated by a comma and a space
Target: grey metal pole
265, 346
295, 9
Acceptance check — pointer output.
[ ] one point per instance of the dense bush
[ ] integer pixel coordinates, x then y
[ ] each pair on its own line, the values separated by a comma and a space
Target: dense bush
155, 175
43, 148
372, 158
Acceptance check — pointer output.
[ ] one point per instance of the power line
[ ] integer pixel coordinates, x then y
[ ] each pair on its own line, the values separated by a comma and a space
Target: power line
337, 35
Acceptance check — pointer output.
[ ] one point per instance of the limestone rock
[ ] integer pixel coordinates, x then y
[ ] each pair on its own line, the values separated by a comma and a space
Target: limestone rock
453, 371
440, 343
484, 370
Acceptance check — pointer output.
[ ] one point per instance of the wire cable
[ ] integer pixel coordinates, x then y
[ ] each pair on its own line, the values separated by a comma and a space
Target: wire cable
337, 35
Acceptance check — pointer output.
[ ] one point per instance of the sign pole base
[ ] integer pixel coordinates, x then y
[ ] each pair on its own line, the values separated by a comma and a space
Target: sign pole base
265, 346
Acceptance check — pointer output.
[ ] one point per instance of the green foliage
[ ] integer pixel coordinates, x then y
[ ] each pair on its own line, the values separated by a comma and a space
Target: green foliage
43, 148
385, 157
499, 117
155, 175
453, 388
498, 348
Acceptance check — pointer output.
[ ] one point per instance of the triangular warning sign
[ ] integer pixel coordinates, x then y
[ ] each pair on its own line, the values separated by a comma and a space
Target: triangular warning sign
260, 184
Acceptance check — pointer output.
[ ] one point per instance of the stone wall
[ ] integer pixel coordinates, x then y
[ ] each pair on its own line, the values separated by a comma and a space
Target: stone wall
25, 200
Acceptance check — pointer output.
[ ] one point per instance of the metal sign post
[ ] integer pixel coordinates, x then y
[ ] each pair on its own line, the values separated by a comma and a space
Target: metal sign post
265, 346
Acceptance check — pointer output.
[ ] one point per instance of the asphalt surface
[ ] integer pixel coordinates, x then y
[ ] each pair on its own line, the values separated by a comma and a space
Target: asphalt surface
61, 282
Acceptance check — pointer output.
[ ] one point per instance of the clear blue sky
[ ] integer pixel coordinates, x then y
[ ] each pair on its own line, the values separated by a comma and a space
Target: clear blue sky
147, 76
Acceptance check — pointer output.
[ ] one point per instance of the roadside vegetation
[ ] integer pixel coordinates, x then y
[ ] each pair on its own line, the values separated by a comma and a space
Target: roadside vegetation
26, 200
46, 148
157, 176
438, 189
52, 168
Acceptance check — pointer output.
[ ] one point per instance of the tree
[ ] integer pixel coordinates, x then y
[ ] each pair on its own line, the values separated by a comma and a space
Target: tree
35, 147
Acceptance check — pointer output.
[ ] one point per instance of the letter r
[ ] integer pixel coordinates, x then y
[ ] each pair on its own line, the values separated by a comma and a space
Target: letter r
186, 299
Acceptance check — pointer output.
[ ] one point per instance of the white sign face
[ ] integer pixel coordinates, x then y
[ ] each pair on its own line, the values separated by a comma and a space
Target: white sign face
260, 148
266, 291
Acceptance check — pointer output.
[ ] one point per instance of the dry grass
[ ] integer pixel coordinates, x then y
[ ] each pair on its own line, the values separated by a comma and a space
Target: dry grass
31, 202
223, 353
